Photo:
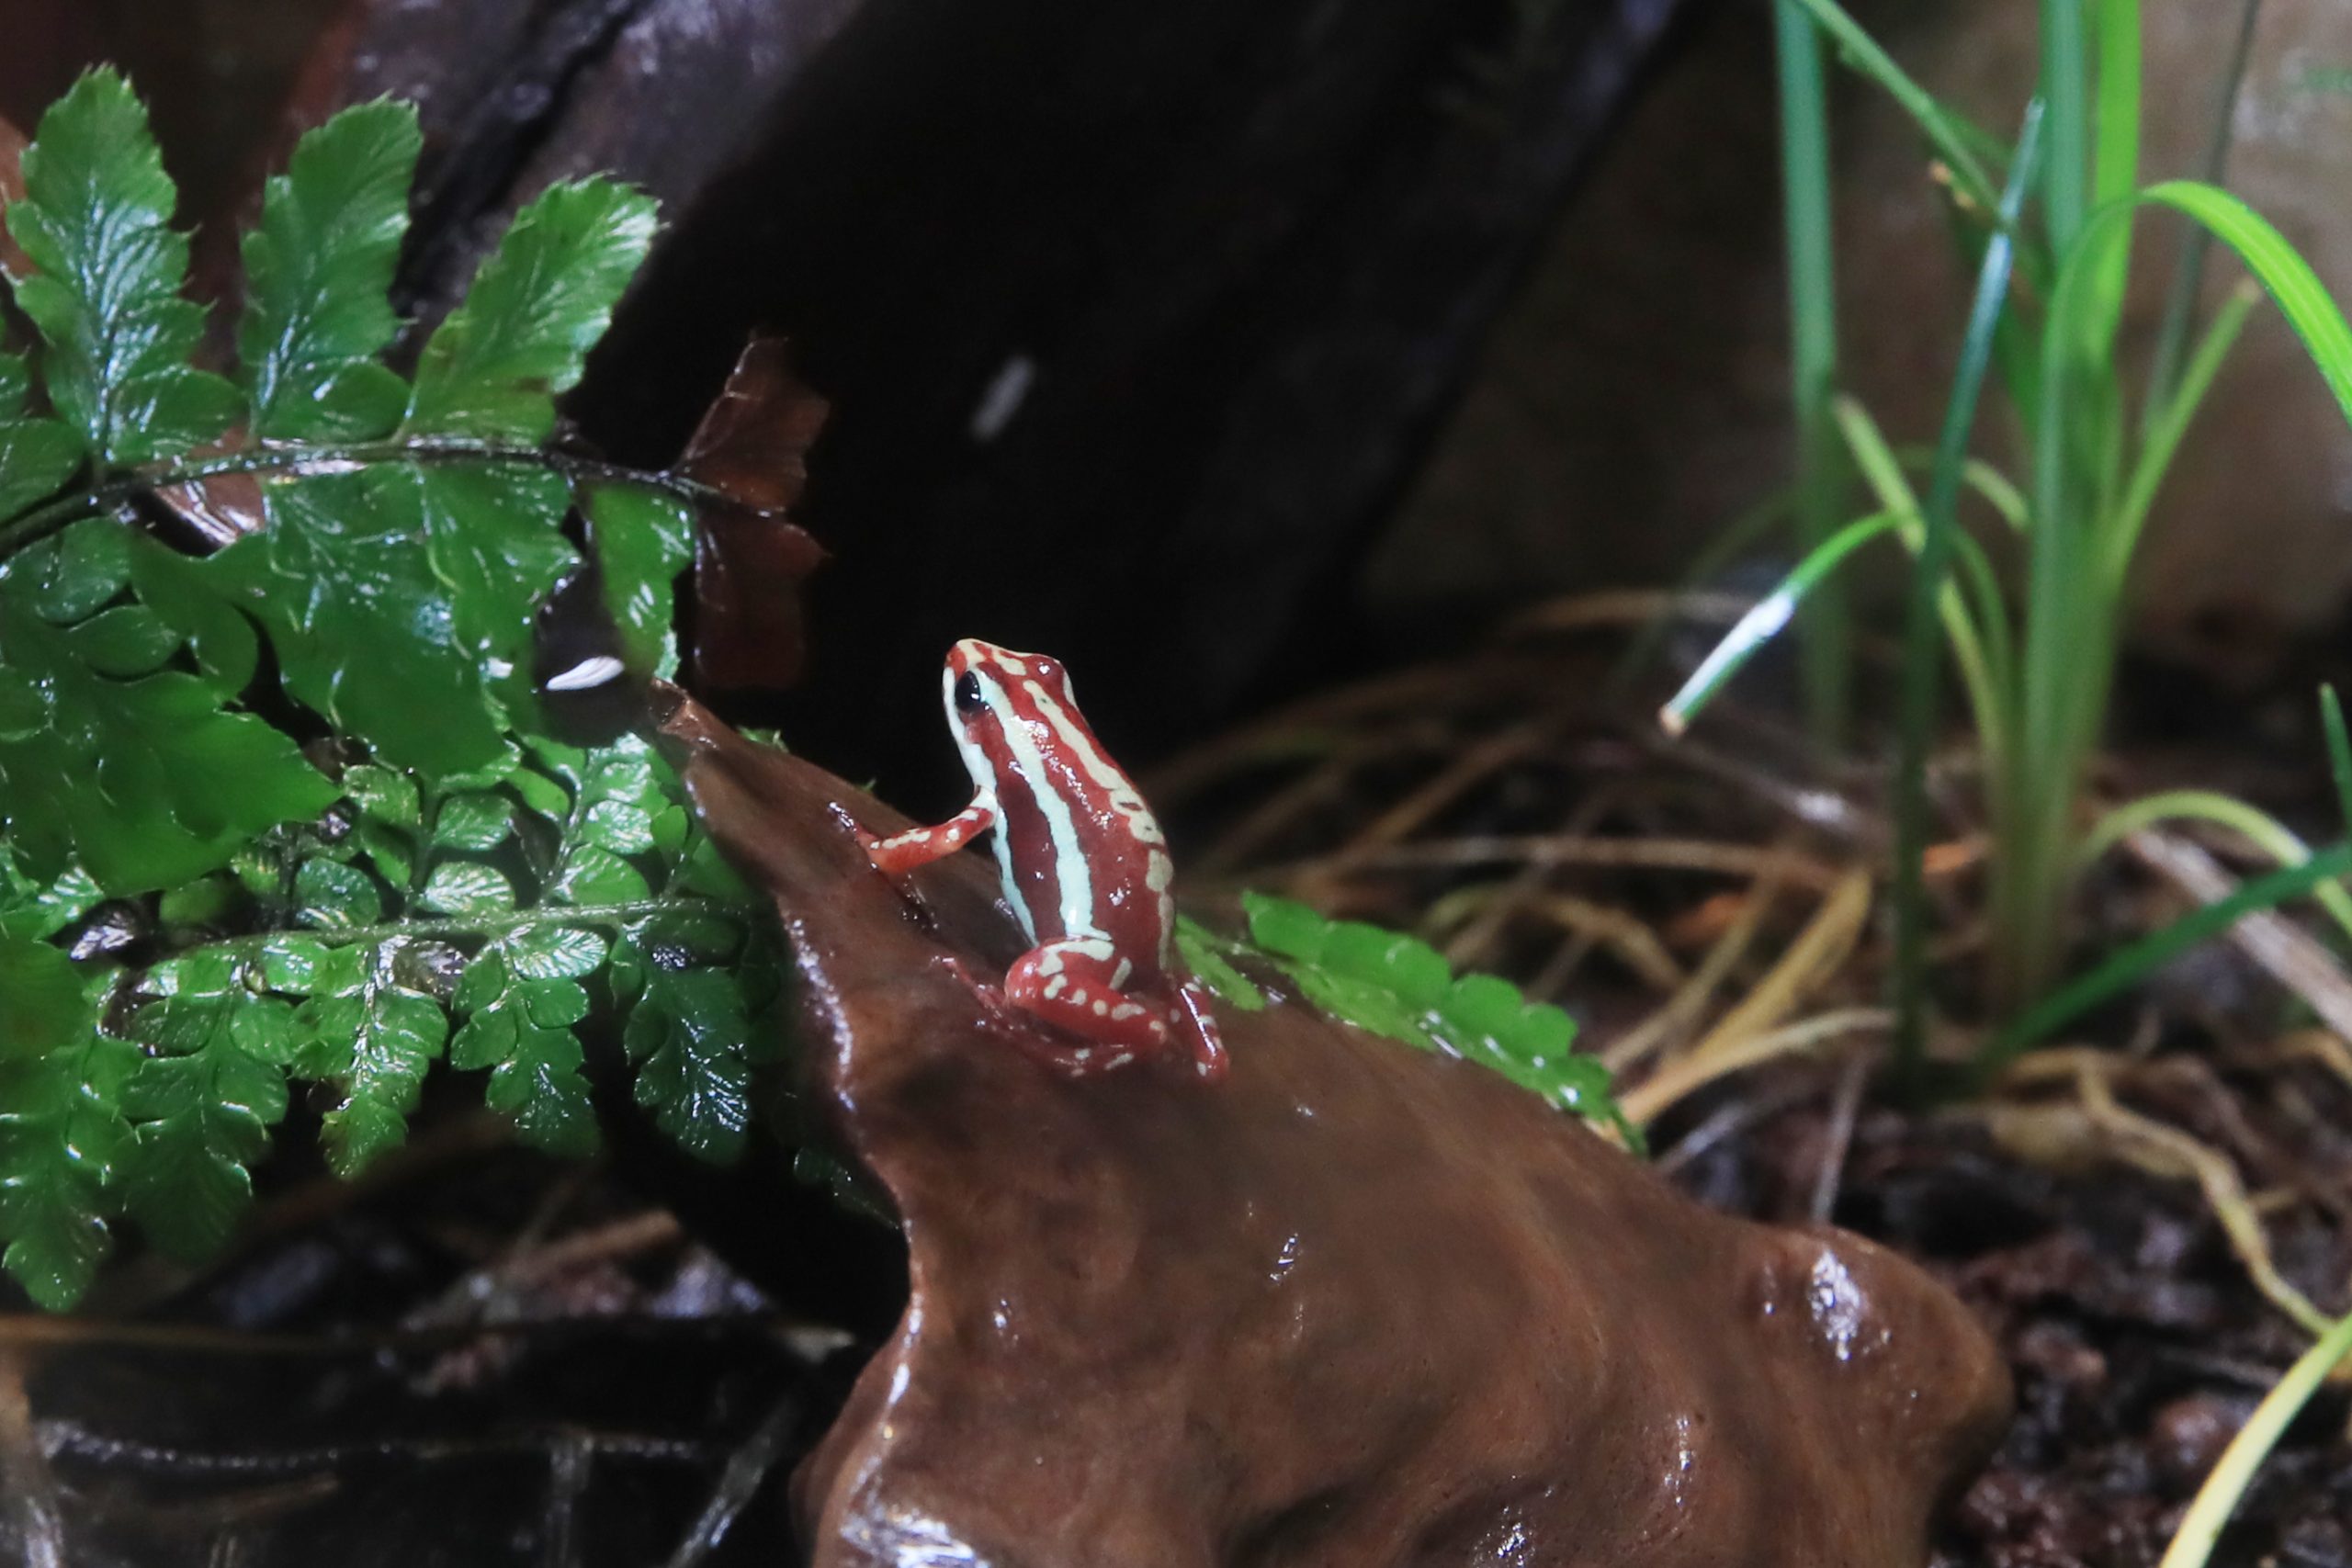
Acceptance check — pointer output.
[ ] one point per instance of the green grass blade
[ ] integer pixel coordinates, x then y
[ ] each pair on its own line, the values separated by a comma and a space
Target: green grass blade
2116, 171
2287, 277
2265, 832
1827, 634
2181, 303
1943, 129
1732, 541
2164, 436
2066, 91
1989, 608
1921, 662
1766, 620
1883, 471
2201, 1528
1993, 487
2127, 967
2116, 165
2339, 751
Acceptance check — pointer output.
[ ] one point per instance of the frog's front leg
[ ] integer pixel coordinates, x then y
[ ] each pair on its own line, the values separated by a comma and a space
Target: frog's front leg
903, 852
1075, 983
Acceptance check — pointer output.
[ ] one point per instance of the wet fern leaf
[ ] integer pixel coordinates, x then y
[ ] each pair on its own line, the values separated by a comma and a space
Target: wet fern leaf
394, 595
1399, 986
211, 1084
540, 301
37, 455
316, 274
62, 1131
104, 294
108, 753
428, 881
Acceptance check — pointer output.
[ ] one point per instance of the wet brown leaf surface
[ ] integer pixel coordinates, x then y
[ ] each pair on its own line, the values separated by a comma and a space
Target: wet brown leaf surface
751, 448
1360, 1305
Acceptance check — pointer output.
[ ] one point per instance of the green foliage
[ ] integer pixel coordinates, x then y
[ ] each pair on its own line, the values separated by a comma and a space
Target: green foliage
432, 925
354, 858
1401, 988
387, 639
36, 455
95, 223
2036, 660
539, 304
316, 272
109, 754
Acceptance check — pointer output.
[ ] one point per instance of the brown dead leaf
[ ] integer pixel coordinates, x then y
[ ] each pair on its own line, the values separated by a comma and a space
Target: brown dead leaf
750, 557
1356, 1304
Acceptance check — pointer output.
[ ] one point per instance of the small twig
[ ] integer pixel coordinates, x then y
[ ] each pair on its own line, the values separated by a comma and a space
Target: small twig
1469, 945
1627, 935
1733, 1118
72, 1439
1470, 768
746, 1471
1682, 1009
1327, 715
32, 1331
300, 462
2281, 948
569, 1463
1314, 792
41, 1520
1649, 1100
1838, 1140
1701, 855
1817, 951
2148, 1145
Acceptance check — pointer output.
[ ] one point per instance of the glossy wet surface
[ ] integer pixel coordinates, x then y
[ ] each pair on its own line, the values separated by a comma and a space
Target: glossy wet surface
1358, 1305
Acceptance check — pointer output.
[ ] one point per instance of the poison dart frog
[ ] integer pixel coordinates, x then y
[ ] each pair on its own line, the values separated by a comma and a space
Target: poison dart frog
1085, 868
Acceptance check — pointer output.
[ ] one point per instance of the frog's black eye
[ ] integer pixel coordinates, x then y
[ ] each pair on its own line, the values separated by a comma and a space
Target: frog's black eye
968, 693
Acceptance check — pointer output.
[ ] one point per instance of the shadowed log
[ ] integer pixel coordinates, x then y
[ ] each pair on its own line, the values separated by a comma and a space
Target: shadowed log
1356, 1305
1136, 317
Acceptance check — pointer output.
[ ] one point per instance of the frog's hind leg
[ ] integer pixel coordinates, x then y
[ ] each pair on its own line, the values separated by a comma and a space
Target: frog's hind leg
1074, 984
1197, 1026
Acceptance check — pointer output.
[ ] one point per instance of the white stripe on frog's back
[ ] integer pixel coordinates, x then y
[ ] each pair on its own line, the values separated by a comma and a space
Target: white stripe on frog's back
1159, 872
1073, 877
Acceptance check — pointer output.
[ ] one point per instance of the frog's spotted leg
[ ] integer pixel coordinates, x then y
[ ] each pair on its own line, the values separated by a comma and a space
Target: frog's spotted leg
1075, 984
903, 852
1198, 1025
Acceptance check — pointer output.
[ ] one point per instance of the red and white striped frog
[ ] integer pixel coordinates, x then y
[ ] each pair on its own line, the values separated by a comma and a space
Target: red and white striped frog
1085, 868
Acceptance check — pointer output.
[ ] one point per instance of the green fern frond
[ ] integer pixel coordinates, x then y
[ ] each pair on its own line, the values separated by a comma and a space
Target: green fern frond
1401, 987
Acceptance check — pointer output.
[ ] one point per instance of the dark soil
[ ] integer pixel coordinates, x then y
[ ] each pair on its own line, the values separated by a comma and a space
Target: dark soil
529, 1366
2138, 1346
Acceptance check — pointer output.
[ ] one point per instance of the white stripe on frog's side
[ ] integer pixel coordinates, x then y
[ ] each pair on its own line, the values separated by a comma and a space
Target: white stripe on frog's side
1159, 872
1073, 878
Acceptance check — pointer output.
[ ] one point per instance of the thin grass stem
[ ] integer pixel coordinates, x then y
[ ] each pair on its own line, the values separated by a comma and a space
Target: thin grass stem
2128, 967
1956, 143
2339, 751
2164, 436
1883, 474
2065, 93
1825, 642
1921, 660
2189, 273
2257, 827
1766, 620
2201, 1528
